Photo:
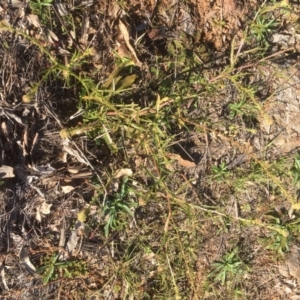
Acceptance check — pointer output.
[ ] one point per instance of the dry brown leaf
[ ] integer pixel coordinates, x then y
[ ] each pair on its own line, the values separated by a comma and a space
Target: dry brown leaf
6, 172
61, 8
67, 189
92, 30
16, 3
18, 243
45, 208
121, 47
93, 209
38, 216
54, 228
62, 238
141, 201
138, 161
73, 152
25, 144
21, 12
182, 162
74, 237
125, 34
149, 256
4, 129
24, 259
52, 37
42, 209
123, 172
33, 20
85, 28
3, 283
14, 116
34, 142
115, 10
64, 52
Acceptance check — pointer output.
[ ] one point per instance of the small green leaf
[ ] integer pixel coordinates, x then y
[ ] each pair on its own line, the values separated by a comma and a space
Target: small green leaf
48, 275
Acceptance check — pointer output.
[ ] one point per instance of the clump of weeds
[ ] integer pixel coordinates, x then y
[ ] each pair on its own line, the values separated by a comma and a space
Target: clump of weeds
52, 268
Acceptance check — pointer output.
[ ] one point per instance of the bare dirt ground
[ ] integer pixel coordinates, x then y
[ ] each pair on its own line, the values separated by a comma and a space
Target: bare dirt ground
148, 150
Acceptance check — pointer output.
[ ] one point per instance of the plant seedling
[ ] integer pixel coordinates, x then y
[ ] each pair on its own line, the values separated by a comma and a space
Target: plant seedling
221, 171
240, 109
115, 205
262, 27
296, 171
52, 268
40, 4
229, 265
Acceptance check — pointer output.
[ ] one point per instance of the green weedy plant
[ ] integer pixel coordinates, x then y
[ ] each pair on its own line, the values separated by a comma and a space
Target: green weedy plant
262, 27
102, 114
52, 268
240, 109
276, 241
295, 170
229, 266
38, 5
220, 172
264, 22
115, 205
